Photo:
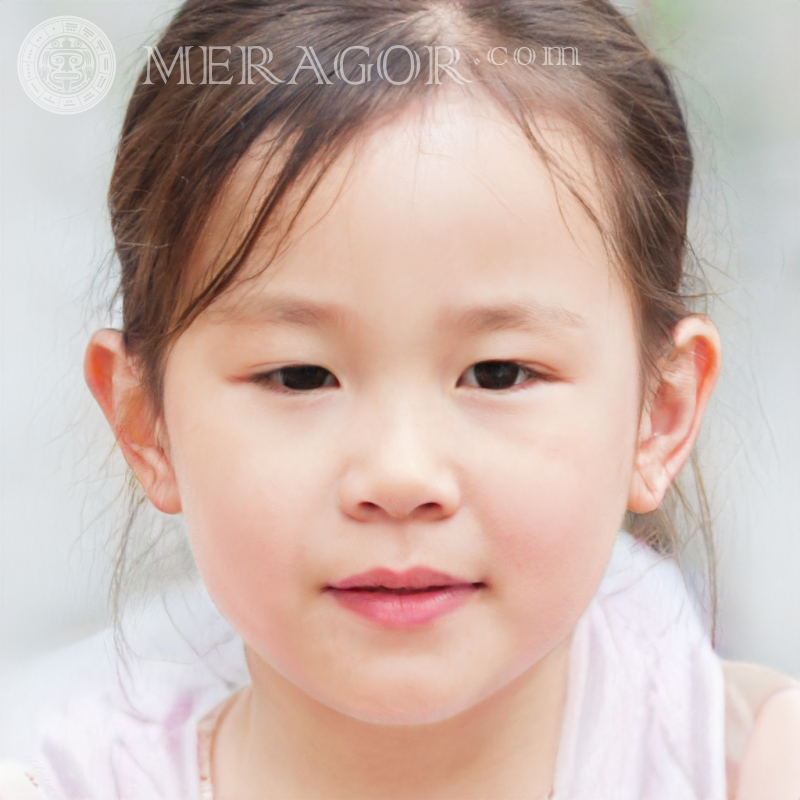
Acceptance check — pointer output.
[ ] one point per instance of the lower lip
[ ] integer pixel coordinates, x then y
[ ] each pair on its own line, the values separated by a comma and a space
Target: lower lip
411, 610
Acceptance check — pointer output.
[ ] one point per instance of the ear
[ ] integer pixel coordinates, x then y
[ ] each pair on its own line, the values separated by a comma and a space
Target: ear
112, 379
671, 420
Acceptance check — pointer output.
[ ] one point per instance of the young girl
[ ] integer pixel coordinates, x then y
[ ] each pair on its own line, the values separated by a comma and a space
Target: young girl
405, 342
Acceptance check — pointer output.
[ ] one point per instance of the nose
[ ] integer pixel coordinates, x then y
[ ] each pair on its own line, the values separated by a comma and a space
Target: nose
398, 466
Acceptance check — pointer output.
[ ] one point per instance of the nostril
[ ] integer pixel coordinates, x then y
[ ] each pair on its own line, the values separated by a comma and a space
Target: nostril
430, 511
399, 510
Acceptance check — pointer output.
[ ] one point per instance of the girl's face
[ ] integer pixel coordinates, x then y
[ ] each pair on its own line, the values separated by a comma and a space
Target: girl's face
440, 371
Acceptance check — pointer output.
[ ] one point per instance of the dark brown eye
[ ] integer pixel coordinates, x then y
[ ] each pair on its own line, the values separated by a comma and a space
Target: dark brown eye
302, 378
495, 374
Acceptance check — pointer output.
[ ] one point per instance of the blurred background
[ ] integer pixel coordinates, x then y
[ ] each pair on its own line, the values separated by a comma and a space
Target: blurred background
738, 64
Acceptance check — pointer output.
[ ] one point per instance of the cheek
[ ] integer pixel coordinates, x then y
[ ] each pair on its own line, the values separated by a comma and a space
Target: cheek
553, 496
248, 503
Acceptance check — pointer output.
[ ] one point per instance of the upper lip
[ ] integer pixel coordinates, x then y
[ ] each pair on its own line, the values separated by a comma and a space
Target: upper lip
415, 578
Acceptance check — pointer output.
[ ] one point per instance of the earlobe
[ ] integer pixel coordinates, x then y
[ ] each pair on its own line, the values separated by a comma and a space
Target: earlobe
115, 386
671, 422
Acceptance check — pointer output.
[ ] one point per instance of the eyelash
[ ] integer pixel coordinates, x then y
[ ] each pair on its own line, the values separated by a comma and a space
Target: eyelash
267, 379
532, 374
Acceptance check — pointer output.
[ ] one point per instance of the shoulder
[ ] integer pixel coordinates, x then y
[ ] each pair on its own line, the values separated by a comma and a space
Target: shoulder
61, 720
762, 732
129, 725
16, 783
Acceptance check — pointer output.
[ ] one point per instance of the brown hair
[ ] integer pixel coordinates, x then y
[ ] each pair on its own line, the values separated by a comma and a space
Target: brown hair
181, 141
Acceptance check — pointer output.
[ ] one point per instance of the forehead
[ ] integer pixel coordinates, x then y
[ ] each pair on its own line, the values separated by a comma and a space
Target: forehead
446, 200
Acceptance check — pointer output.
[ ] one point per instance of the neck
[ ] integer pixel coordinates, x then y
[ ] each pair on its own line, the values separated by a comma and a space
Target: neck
277, 741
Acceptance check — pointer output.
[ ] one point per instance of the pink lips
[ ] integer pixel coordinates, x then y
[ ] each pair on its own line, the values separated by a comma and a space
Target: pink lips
409, 599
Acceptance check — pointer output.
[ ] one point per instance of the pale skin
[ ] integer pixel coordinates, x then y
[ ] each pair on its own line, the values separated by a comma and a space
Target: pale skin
440, 247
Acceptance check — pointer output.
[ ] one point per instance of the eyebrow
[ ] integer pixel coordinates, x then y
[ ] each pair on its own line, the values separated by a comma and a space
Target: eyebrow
288, 310
529, 316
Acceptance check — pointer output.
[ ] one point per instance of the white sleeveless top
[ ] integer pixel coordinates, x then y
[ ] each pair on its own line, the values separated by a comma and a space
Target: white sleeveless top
644, 716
